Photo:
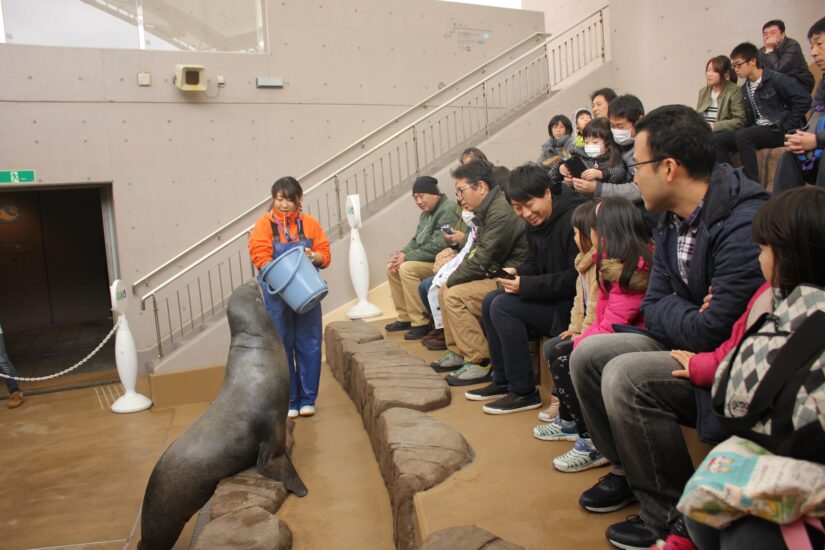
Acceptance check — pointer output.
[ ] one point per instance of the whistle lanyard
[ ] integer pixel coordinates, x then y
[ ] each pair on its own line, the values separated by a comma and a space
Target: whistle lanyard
289, 238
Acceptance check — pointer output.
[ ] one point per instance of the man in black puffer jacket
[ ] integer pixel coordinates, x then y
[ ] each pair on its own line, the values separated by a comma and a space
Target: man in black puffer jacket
538, 298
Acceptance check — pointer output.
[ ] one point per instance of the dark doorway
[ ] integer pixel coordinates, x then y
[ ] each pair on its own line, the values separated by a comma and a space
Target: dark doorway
54, 282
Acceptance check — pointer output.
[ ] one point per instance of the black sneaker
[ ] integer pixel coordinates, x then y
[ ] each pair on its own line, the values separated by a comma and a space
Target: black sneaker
633, 533
398, 326
492, 390
609, 494
513, 402
417, 333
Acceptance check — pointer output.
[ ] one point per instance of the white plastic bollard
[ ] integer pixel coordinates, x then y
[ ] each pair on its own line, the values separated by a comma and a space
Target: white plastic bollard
359, 270
126, 357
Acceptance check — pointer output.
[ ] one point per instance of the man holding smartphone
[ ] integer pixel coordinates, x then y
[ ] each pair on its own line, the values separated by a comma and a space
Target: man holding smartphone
536, 296
408, 266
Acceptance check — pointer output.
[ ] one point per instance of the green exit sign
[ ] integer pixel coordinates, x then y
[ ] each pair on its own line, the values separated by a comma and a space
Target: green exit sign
16, 176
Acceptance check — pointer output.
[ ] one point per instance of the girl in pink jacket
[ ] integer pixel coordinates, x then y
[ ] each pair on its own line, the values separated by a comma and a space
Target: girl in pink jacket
623, 258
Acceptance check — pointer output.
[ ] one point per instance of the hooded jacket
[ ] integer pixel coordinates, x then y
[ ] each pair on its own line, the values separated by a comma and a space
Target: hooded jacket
428, 240
554, 147
499, 242
618, 306
587, 293
549, 273
724, 258
260, 240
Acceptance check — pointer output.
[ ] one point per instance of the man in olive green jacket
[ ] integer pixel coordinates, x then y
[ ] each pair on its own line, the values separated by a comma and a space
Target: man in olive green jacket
499, 242
408, 266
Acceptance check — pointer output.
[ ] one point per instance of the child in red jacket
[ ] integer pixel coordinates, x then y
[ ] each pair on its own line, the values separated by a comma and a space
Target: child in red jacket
623, 258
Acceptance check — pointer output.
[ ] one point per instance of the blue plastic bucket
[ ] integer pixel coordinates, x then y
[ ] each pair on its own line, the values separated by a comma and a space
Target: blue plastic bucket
295, 279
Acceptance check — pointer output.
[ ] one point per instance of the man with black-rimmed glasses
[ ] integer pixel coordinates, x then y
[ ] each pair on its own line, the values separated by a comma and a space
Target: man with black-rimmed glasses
705, 269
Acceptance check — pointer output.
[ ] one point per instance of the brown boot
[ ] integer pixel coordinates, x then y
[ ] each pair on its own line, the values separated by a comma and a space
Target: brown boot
15, 399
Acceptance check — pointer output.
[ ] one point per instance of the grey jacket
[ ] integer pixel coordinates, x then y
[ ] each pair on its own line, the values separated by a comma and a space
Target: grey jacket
629, 189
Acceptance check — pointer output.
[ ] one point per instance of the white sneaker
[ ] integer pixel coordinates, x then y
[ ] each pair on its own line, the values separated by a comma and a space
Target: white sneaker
307, 410
581, 457
550, 413
293, 413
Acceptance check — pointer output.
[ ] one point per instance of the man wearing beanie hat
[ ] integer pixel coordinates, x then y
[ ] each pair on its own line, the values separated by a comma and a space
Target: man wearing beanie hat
408, 266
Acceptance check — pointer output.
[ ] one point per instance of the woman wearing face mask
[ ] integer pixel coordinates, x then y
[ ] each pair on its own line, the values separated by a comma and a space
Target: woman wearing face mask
601, 156
720, 102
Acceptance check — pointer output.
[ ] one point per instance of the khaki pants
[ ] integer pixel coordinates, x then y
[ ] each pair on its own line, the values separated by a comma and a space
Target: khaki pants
461, 309
404, 289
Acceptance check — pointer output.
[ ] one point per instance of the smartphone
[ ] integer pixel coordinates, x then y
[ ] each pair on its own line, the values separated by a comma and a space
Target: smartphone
501, 274
575, 165
447, 229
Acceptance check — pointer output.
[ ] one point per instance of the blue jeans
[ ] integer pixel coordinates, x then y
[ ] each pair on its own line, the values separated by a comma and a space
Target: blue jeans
633, 407
7, 368
423, 289
301, 335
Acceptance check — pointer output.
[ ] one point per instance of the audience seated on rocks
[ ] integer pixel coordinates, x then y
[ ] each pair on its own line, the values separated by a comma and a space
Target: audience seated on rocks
580, 119
499, 243
459, 238
721, 102
802, 163
599, 100
535, 296
774, 103
704, 272
790, 230
430, 288
560, 130
408, 266
783, 54
623, 259
601, 157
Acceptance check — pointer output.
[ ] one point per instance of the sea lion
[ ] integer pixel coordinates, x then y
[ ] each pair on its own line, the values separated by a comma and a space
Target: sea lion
244, 426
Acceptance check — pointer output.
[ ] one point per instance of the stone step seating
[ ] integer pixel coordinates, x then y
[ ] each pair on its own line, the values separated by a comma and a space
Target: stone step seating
241, 513
392, 390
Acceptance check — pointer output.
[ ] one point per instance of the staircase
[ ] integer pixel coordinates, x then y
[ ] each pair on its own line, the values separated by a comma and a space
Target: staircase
187, 291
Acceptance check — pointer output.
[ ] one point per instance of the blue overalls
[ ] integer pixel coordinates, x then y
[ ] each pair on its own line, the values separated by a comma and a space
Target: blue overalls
301, 334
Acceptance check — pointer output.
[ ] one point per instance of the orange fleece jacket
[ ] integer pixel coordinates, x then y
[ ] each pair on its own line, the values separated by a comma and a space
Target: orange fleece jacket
260, 240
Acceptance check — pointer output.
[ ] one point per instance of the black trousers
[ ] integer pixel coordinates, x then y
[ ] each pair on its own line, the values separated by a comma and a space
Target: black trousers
746, 141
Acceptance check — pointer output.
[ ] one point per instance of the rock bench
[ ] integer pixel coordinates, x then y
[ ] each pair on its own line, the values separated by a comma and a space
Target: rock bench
242, 512
392, 390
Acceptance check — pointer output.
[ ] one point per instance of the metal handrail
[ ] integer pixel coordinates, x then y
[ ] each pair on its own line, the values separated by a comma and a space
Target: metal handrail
347, 149
352, 163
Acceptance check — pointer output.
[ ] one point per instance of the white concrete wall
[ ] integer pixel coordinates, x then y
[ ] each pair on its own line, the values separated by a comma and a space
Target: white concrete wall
181, 165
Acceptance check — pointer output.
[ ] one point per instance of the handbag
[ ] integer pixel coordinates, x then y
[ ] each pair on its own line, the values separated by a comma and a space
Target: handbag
771, 388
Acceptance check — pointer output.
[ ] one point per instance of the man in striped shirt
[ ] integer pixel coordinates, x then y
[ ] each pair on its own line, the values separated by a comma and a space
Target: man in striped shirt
775, 103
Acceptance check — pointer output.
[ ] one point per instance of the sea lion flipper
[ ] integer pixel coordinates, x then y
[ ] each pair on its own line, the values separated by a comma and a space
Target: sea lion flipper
281, 469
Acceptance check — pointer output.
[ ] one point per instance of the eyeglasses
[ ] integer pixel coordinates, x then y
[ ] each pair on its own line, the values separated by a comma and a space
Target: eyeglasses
635, 164
460, 192
739, 64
